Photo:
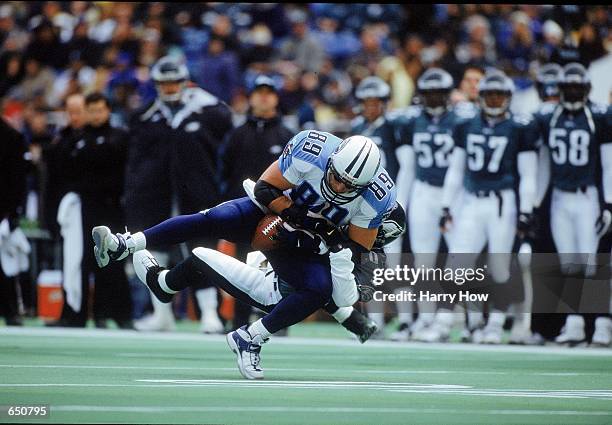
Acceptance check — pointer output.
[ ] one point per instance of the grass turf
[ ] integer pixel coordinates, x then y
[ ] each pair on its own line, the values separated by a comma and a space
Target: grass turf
109, 376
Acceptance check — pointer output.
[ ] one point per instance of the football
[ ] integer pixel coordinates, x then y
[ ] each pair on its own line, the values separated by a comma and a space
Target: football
266, 230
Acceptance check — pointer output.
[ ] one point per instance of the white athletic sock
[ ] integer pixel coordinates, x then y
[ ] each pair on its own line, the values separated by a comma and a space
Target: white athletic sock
427, 311
161, 279
136, 242
163, 311
257, 328
342, 314
404, 308
207, 300
379, 318
496, 318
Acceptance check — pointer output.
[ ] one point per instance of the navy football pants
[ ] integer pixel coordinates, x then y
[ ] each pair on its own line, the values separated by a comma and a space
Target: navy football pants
236, 221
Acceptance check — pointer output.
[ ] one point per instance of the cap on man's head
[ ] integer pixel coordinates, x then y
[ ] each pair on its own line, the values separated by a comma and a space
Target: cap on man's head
297, 16
263, 81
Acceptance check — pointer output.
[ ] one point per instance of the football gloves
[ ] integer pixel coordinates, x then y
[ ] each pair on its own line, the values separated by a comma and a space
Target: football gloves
298, 217
526, 226
602, 225
301, 239
445, 220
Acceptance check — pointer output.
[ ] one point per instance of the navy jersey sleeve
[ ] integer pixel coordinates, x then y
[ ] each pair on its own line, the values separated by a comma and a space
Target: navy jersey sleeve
527, 133
603, 123
459, 134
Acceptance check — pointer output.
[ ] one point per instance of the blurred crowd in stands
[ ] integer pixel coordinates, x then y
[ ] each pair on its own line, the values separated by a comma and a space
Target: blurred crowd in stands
315, 54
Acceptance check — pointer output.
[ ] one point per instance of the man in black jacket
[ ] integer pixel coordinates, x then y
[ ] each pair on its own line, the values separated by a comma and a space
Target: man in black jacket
172, 168
249, 150
93, 163
13, 168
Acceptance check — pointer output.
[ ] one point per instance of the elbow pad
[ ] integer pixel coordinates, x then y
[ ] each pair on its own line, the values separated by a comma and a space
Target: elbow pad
265, 193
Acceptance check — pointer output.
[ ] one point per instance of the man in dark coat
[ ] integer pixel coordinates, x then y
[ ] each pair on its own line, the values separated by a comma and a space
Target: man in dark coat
249, 150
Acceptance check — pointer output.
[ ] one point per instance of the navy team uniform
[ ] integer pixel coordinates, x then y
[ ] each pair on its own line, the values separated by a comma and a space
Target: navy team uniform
574, 140
302, 163
489, 211
382, 131
431, 138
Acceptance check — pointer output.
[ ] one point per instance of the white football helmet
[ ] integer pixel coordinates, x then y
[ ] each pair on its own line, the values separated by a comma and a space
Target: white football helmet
353, 163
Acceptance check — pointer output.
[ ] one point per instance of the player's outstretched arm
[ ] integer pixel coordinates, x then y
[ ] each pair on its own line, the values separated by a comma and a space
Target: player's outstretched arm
527, 163
605, 218
543, 175
405, 175
452, 183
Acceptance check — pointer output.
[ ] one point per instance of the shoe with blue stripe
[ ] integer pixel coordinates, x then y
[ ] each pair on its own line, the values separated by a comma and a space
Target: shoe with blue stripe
247, 350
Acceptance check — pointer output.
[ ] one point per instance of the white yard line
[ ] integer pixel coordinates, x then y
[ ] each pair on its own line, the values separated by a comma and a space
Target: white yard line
398, 387
456, 347
322, 369
317, 409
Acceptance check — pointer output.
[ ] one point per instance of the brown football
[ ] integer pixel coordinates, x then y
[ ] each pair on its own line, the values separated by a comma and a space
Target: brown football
266, 229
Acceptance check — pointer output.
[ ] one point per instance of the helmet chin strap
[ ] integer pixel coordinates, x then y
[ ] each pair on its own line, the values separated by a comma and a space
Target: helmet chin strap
573, 106
437, 111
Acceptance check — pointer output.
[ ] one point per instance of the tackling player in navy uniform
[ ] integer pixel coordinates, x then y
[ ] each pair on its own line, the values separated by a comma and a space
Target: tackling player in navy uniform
330, 183
495, 152
576, 138
426, 142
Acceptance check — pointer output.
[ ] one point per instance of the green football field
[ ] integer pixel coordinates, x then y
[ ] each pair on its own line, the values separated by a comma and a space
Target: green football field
110, 376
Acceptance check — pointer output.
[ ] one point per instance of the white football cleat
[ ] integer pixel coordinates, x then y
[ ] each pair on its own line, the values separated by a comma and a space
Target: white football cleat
602, 337
437, 332
247, 351
492, 335
211, 324
155, 323
572, 333
402, 334
109, 247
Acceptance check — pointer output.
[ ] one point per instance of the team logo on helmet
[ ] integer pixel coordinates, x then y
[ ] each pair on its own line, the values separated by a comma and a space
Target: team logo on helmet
574, 86
547, 80
495, 82
434, 87
393, 226
372, 87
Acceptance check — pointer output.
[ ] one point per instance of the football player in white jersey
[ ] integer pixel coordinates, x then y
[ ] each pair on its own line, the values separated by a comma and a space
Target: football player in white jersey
319, 183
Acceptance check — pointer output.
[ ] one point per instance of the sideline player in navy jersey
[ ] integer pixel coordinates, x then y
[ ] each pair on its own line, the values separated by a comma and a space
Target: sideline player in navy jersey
329, 182
576, 137
494, 153
426, 142
373, 94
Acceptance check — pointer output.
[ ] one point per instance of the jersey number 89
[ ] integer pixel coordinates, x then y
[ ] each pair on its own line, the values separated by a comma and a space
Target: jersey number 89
309, 144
